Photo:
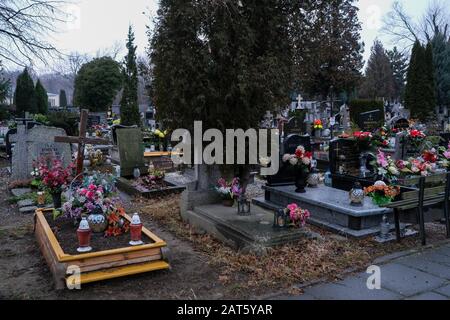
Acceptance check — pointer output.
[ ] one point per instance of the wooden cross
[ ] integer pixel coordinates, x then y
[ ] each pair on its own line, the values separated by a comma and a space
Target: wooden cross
82, 140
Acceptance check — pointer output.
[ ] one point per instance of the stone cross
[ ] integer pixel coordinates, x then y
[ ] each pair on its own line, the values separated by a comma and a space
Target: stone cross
81, 140
21, 149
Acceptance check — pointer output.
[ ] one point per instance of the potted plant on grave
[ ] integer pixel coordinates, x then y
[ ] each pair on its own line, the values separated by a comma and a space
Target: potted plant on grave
153, 181
54, 176
302, 160
364, 139
228, 191
381, 193
415, 138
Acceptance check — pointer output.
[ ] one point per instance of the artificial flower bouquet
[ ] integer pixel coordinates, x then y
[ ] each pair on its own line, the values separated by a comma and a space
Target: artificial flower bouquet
444, 156
95, 192
297, 216
300, 158
415, 137
416, 167
318, 125
381, 193
363, 138
228, 190
52, 174
386, 167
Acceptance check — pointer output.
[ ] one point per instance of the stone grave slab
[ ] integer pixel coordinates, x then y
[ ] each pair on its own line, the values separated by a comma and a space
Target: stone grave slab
330, 208
131, 151
20, 192
252, 233
35, 143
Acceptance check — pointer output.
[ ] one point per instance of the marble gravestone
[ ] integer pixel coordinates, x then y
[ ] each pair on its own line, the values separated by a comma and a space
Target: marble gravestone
32, 144
131, 151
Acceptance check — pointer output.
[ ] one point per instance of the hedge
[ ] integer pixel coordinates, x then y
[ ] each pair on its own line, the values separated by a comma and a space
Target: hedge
359, 106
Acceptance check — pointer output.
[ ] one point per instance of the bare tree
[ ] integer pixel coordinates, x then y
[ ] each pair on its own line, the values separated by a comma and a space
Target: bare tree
404, 30
69, 65
114, 51
25, 29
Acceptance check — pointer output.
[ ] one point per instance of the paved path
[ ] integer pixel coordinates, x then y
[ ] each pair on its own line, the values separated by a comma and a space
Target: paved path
422, 276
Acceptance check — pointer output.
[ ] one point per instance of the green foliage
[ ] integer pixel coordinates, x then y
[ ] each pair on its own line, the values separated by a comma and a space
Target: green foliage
4, 113
441, 60
5, 87
62, 99
66, 120
129, 108
379, 78
41, 98
97, 83
229, 76
420, 90
399, 65
327, 45
358, 106
25, 96
41, 118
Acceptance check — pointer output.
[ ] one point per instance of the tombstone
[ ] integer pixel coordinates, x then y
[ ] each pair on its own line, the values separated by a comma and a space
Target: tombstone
116, 127
131, 151
401, 124
344, 117
345, 164
96, 118
286, 173
371, 120
30, 145
291, 143
295, 125
403, 149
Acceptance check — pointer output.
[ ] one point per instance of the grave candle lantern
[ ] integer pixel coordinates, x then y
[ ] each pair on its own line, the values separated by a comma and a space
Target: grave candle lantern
84, 236
243, 205
136, 231
280, 219
41, 199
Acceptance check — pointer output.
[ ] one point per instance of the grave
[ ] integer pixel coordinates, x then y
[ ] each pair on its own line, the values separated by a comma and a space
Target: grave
201, 209
131, 155
287, 172
345, 164
371, 120
34, 143
330, 208
295, 125
131, 151
403, 149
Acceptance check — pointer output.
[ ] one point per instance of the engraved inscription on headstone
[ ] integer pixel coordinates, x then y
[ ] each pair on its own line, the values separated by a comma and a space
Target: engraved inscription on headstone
368, 121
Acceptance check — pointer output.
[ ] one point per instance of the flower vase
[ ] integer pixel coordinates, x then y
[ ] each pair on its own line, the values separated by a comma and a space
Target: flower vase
317, 133
228, 202
300, 181
57, 200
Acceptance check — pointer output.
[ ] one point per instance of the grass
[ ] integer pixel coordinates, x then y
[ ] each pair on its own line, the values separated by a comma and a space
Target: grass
282, 267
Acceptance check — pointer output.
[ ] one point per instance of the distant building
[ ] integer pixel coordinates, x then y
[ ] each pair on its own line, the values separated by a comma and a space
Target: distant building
53, 100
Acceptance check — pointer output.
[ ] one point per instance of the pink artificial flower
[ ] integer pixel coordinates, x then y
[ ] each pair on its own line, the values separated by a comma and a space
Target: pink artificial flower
292, 207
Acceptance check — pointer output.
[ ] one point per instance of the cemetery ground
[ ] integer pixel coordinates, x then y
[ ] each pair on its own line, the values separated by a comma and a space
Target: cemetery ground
202, 268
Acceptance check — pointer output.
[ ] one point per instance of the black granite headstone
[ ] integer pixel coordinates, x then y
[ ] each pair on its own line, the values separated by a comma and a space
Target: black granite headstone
291, 143
445, 139
295, 125
369, 121
401, 124
287, 172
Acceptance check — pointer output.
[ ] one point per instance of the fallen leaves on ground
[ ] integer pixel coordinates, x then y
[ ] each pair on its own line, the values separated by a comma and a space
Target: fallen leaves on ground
301, 262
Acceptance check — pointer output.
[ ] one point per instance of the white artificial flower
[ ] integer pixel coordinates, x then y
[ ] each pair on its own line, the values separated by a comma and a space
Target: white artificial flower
287, 157
393, 171
380, 183
306, 161
293, 161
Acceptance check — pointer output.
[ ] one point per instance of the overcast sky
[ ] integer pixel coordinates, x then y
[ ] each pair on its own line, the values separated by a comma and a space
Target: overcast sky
100, 23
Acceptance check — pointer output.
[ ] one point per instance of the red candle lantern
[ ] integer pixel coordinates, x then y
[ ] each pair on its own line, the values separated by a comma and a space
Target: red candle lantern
136, 231
84, 236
